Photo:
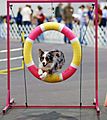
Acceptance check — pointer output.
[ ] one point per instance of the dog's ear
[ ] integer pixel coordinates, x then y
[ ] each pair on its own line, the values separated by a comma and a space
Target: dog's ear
40, 52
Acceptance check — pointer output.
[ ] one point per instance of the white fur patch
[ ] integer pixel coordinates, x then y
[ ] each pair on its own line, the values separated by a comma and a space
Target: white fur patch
43, 75
40, 71
44, 55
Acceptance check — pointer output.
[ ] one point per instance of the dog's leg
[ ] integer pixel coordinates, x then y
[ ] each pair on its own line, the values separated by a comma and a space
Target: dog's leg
42, 74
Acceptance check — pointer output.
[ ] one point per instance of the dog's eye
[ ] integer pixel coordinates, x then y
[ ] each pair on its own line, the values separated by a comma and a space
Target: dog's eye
42, 58
47, 59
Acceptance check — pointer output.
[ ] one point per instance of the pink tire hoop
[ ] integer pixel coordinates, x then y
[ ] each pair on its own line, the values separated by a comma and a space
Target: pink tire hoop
74, 43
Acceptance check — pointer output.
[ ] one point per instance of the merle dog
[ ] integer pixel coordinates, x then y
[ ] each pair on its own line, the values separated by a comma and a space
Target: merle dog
50, 62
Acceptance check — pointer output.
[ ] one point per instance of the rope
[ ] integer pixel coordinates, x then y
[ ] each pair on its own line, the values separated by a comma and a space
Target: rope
81, 66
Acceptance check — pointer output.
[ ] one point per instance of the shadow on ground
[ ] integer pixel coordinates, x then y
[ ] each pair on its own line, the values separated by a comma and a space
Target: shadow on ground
46, 116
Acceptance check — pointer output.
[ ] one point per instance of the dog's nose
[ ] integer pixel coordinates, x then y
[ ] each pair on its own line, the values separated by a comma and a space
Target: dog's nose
44, 64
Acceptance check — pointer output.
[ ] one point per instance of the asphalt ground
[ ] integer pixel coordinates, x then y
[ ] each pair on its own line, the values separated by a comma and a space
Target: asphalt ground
64, 93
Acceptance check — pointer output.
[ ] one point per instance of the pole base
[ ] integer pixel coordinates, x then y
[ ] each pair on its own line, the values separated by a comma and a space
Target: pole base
8, 106
97, 107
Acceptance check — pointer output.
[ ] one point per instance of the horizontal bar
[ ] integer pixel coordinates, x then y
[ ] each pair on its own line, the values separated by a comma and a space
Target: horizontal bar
3, 73
53, 107
14, 58
47, 1
11, 69
17, 49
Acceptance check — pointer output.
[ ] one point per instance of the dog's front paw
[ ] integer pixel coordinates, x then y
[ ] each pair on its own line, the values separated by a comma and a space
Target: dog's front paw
43, 75
40, 72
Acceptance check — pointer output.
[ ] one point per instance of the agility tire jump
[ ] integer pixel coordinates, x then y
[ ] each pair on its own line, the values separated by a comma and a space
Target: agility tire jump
52, 78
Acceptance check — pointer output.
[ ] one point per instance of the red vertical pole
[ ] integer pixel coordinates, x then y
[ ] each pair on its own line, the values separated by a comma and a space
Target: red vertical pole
8, 54
96, 54
8, 101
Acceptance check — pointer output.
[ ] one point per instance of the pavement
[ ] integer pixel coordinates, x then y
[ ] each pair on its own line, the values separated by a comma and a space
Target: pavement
64, 93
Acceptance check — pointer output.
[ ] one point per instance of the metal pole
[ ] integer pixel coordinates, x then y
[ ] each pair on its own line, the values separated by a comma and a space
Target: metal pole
96, 55
81, 71
8, 55
81, 66
26, 99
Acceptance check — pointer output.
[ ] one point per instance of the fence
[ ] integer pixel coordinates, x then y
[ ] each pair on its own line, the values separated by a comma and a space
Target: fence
56, 37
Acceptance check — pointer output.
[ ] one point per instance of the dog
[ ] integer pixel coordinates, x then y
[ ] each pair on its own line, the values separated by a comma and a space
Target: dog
50, 62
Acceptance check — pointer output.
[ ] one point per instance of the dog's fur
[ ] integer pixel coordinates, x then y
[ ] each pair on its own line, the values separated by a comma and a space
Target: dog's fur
50, 62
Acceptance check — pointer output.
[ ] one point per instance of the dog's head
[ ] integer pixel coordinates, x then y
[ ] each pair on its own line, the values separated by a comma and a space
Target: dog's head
46, 59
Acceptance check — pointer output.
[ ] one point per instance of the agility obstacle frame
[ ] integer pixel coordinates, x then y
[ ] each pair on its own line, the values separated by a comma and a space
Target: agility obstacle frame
9, 101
